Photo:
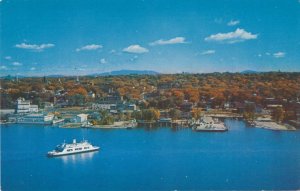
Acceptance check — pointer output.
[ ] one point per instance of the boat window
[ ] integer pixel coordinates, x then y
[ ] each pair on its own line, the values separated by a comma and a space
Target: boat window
70, 150
78, 149
59, 148
86, 147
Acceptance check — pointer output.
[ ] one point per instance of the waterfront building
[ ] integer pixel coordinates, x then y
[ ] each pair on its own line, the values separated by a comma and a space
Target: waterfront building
36, 118
114, 107
80, 118
6, 112
24, 106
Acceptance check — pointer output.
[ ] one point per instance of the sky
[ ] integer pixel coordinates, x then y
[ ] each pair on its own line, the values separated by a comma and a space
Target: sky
169, 36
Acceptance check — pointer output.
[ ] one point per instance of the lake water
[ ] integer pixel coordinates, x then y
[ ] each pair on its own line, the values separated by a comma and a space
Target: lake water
159, 159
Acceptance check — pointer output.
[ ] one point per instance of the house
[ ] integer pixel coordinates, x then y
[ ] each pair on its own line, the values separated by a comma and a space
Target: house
272, 107
80, 118
164, 113
226, 105
131, 107
114, 107
91, 94
24, 106
187, 106
101, 106
271, 101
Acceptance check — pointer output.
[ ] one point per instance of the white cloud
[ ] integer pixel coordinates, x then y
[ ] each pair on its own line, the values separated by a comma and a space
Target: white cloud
7, 57
135, 49
90, 47
3, 68
103, 61
17, 64
279, 54
233, 22
176, 40
239, 35
208, 52
32, 68
34, 47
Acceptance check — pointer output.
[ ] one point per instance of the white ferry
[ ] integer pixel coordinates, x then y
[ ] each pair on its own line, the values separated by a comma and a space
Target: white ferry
72, 148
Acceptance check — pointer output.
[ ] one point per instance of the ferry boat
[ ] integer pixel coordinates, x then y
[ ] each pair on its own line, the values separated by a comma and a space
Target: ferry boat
207, 124
72, 148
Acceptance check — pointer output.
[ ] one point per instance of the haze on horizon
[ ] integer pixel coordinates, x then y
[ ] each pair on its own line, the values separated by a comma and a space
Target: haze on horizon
171, 36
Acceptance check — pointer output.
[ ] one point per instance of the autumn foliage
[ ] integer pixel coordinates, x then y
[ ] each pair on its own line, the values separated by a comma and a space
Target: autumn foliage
158, 91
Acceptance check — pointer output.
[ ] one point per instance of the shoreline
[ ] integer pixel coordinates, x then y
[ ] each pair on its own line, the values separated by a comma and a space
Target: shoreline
269, 125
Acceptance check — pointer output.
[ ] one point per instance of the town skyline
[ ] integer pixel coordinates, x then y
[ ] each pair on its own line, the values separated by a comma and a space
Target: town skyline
83, 38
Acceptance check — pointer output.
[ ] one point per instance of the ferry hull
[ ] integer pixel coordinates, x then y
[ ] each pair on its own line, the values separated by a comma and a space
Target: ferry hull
50, 155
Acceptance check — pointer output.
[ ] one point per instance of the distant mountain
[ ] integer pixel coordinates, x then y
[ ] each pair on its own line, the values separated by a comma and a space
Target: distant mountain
249, 72
10, 77
55, 76
126, 72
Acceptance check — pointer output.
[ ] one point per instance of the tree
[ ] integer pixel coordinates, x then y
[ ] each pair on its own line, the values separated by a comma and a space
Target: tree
278, 114
137, 115
79, 90
150, 114
196, 113
76, 100
249, 112
174, 114
128, 116
106, 118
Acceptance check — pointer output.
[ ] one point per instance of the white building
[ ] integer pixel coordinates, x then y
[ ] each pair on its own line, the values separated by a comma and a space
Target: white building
43, 119
91, 94
131, 107
102, 106
80, 118
24, 106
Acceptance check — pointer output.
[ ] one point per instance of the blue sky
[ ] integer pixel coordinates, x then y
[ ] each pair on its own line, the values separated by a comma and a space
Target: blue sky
168, 36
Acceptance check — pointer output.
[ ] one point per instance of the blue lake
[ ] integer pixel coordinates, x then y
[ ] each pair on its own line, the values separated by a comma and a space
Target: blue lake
158, 159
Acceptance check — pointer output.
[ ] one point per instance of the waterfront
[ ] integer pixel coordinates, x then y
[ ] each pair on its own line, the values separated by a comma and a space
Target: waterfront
145, 159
